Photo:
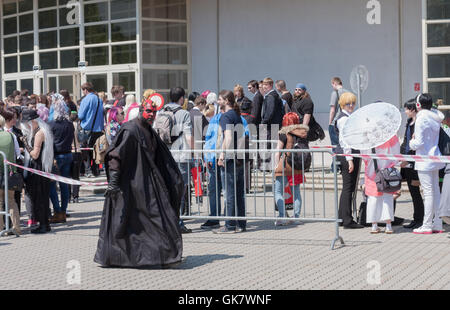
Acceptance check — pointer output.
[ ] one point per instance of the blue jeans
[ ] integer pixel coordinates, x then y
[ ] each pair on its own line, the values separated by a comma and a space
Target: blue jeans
280, 184
333, 135
63, 162
235, 198
214, 191
185, 173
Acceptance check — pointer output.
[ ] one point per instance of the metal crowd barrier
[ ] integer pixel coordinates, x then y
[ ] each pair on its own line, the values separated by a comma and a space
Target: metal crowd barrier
259, 202
5, 213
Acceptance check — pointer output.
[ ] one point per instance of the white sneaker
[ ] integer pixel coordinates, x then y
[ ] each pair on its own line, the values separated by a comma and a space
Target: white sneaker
423, 231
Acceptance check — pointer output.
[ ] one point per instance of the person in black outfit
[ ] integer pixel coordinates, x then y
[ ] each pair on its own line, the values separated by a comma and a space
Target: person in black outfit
257, 101
271, 115
286, 96
304, 107
38, 141
141, 212
349, 166
407, 171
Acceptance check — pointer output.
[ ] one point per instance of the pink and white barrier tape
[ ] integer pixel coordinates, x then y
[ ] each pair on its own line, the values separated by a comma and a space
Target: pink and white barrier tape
55, 177
400, 157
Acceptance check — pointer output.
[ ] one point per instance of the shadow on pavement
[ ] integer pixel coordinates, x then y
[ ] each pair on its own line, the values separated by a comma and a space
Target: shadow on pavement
195, 261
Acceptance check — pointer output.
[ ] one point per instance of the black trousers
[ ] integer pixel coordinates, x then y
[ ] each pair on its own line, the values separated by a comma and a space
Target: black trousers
411, 175
348, 188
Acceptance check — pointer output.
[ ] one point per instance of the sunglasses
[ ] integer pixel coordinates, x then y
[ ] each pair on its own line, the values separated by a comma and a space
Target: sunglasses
298, 89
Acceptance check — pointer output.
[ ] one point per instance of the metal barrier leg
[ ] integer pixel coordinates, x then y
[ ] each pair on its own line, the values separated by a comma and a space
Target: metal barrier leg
6, 213
336, 208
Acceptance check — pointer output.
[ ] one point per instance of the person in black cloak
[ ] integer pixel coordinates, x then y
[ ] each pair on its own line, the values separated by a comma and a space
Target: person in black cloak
139, 226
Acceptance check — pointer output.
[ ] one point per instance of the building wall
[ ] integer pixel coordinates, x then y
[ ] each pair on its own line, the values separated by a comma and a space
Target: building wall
306, 41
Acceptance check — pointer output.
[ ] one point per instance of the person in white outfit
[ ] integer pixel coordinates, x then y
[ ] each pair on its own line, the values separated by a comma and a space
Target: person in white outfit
425, 142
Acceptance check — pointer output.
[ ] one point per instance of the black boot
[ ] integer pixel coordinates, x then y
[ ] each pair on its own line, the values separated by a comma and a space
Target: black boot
42, 229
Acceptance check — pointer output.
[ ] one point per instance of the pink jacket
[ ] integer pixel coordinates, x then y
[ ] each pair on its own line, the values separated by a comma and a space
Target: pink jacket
390, 147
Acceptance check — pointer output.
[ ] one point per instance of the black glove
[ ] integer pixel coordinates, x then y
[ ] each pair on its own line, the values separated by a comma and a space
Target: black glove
25, 142
113, 184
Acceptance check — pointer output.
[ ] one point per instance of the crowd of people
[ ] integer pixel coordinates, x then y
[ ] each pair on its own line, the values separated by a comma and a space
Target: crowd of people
52, 133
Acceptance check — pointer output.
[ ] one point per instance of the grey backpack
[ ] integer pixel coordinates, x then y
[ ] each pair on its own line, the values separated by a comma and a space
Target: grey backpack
388, 180
164, 123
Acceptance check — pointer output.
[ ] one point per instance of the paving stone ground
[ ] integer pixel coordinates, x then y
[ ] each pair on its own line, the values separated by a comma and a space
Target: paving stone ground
265, 257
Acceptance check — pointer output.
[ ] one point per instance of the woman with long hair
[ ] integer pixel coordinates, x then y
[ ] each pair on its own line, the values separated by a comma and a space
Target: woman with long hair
231, 165
292, 131
63, 134
38, 140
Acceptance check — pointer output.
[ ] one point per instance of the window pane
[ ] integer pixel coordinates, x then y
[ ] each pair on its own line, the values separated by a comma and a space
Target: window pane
99, 81
46, 3
438, 35
48, 39
11, 64
10, 45
97, 56
69, 37
96, 12
26, 42
164, 9
123, 9
438, 9
26, 63
438, 66
124, 54
52, 84
66, 82
162, 31
25, 5
47, 19
27, 84
123, 31
165, 79
440, 91
9, 7
70, 58
48, 60
26, 23
126, 79
10, 25
10, 86
164, 54
96, 34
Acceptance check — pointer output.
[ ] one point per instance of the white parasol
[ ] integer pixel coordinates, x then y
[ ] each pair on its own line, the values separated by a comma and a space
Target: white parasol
371, 126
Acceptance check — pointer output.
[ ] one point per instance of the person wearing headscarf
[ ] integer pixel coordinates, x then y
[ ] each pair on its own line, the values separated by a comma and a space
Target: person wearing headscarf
64, 135
38, 140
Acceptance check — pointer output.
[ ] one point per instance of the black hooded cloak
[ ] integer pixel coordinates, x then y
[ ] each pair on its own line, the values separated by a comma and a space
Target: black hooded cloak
139, 226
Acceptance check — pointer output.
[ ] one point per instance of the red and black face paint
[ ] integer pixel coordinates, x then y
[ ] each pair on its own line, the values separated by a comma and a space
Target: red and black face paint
149, 109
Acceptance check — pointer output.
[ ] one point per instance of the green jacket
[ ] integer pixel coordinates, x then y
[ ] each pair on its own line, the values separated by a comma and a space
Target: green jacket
7, 147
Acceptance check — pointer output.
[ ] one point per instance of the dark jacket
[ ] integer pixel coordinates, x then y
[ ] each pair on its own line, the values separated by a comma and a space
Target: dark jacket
272, 111
258, 101
63, 136
120, 103
403, 146
139, 226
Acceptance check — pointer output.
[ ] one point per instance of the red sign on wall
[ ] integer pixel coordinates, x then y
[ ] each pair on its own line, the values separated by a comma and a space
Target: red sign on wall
416, 86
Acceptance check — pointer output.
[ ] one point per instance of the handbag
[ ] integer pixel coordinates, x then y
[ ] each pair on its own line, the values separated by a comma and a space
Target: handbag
15, 182
388, 180
315, 132
84, 135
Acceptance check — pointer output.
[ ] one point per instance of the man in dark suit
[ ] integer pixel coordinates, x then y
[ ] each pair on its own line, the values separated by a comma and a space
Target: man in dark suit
271, 115
258, 100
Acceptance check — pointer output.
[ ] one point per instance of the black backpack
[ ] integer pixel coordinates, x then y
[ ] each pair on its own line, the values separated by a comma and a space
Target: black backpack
301, 160
444, 143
